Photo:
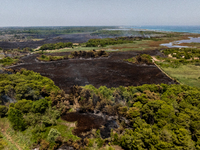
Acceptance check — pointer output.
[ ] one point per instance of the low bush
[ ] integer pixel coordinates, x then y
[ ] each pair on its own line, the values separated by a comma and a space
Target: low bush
51, 58
88, 54
3, 143
141, 59
144, 58
8, 61
53, 134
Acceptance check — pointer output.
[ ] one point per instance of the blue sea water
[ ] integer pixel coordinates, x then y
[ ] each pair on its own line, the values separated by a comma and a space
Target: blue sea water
190, 29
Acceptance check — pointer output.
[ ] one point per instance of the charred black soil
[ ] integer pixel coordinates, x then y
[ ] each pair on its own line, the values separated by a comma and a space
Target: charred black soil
75, 38
85, 122
110, 71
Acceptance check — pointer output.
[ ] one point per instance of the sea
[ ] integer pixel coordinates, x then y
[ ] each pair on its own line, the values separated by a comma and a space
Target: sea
189, 29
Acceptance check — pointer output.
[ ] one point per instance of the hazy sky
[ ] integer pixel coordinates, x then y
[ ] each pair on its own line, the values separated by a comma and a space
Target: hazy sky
99, 12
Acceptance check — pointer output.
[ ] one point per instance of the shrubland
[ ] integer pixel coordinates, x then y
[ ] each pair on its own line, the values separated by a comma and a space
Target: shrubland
88, 54
182, 64
176, 57
108, 41
38, 107
75, 54
159, 116
9, 61
149, 116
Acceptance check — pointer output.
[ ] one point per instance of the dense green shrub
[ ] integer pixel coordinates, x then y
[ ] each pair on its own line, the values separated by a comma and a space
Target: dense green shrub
3, 111
24, 105
52, 46
16, 118
26, 85
108, 41
40, 106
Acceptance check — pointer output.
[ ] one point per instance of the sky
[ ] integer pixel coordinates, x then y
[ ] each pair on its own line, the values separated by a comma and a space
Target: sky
99, 12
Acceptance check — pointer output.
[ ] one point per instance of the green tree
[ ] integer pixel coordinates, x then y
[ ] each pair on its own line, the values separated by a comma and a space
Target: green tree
16, 118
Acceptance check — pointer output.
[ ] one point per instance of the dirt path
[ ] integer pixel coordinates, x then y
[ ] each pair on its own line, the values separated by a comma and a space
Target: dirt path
3, 130
10, 139
154, 58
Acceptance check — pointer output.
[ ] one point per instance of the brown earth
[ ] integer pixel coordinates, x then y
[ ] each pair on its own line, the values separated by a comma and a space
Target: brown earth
111, 71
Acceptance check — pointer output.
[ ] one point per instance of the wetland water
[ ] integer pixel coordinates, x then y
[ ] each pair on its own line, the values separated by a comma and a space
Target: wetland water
174, 44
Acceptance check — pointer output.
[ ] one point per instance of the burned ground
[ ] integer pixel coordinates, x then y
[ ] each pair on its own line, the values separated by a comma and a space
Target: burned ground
75, 38
85, 122
111, 71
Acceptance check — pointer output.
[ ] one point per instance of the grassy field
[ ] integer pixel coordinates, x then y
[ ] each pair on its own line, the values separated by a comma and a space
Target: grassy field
185, 74
78, 48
